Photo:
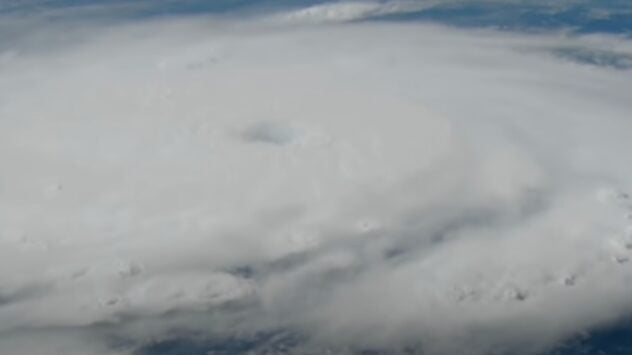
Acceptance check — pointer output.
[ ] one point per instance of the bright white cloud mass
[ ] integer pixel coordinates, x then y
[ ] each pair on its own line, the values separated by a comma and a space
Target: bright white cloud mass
358, 185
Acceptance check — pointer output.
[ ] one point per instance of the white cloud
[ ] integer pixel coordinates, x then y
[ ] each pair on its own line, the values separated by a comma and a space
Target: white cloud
368, 185
350, 10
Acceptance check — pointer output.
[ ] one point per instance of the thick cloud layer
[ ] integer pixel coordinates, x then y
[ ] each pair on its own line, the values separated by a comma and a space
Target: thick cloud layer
356, 185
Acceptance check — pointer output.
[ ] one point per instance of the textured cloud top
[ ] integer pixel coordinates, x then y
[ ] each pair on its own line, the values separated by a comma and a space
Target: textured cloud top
306, 180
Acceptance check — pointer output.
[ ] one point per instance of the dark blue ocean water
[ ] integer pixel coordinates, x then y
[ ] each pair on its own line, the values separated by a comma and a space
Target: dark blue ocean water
588, 16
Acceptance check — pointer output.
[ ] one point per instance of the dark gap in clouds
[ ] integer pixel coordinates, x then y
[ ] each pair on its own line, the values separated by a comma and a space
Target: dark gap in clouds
271, 342
274, 133
600, 58
267, 342
243, 271
613, 339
